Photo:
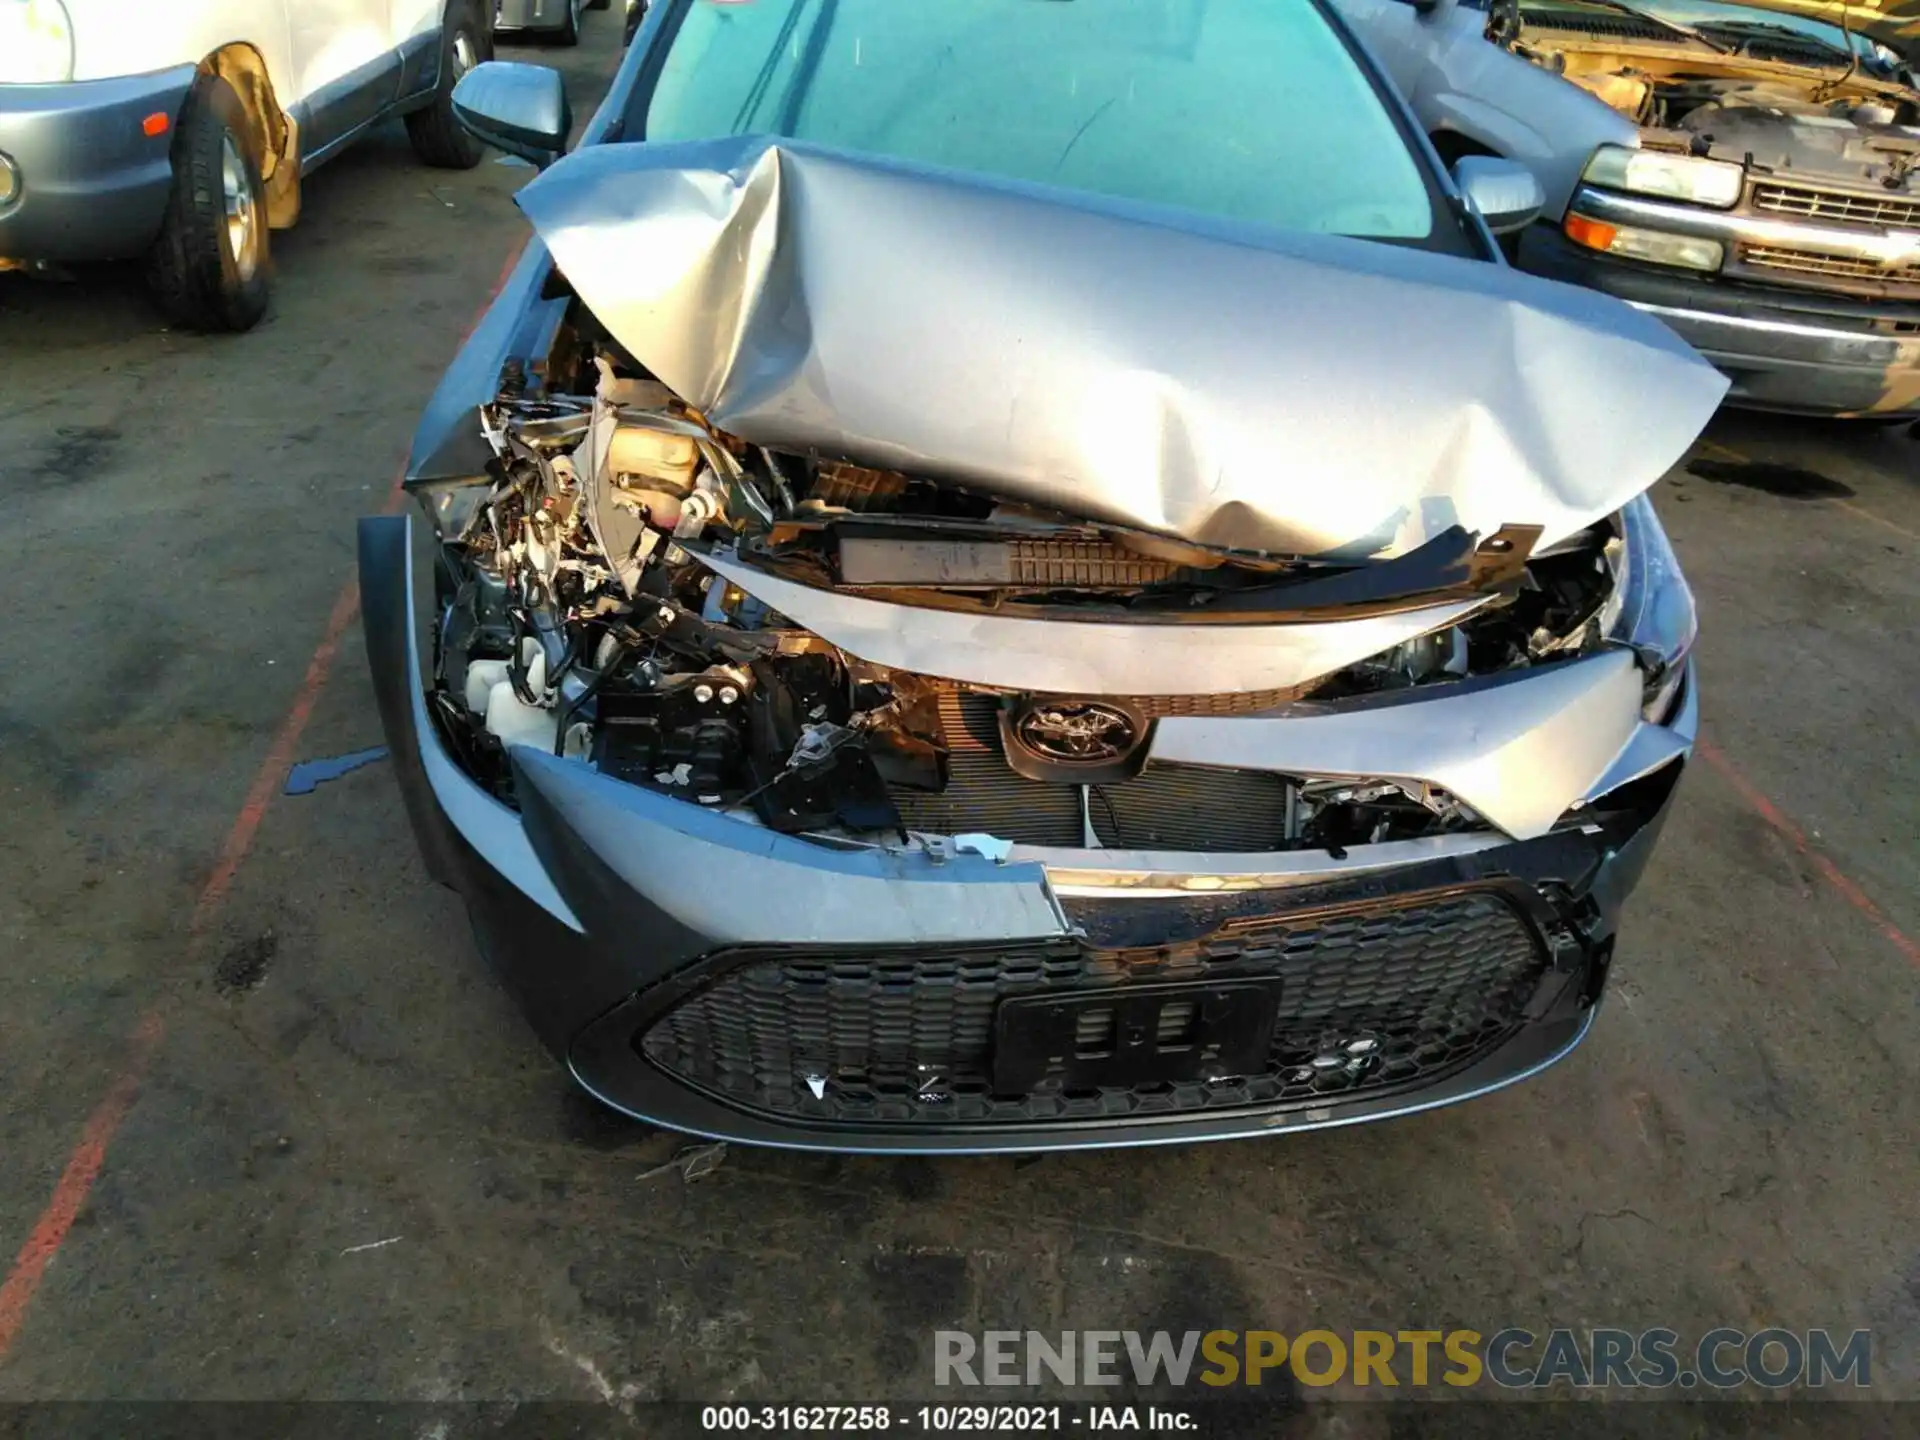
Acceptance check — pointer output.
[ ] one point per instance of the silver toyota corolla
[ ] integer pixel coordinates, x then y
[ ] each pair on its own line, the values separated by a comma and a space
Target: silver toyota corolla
1024, 575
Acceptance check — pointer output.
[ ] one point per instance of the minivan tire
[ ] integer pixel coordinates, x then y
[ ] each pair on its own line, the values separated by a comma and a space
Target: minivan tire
438, 137
207, 270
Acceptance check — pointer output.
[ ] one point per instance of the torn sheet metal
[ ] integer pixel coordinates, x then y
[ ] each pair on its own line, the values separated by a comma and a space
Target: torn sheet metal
1304, 394
1519, 752
802, 893
1077, 657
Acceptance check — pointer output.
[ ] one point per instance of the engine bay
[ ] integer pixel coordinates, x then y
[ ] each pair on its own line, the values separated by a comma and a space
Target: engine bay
577, 616
1750, 89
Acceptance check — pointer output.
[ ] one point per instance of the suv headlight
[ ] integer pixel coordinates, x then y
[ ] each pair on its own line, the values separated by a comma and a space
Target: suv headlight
1672, 177
36, 42
1651, 607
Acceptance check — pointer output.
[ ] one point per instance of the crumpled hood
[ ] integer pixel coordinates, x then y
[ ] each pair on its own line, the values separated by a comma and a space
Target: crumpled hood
1310, 395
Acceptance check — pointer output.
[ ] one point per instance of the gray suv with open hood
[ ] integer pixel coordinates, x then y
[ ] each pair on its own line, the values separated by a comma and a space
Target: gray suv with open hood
1025, 575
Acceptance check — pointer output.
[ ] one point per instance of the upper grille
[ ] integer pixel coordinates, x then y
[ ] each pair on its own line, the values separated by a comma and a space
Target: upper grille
1811, 204
1373, 997
1238, 702
1165, 807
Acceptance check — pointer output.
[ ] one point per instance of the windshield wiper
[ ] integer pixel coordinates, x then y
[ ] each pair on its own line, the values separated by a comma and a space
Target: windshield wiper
1749, 30
1637, 13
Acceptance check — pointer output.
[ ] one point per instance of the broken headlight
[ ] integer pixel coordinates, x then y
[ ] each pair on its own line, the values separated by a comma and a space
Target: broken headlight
1651, 607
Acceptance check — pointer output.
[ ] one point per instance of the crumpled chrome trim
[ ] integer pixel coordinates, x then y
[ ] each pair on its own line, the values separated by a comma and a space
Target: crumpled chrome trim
1072, 657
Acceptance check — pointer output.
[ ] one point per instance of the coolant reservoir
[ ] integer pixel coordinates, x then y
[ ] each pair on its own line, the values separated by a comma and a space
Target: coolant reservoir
665, 460
482, 676
490, 696
514, 722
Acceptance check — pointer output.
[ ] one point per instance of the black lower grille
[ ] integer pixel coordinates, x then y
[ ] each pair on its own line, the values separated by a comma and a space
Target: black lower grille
1165, 807
1375, 996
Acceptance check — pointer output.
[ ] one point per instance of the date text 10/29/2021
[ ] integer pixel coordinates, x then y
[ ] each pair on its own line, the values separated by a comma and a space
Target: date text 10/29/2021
944, 1419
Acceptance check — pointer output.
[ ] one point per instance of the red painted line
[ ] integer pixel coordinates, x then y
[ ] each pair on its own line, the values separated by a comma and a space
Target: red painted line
273, 770
84, 1163
1829, 872
280, 755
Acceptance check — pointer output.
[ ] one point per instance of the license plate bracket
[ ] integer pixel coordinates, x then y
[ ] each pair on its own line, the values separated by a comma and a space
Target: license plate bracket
1134, 1034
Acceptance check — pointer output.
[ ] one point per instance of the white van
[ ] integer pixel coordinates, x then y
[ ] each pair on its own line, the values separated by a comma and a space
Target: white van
180, 132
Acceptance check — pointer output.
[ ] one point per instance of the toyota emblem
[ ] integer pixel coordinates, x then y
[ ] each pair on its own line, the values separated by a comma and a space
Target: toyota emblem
1058, 738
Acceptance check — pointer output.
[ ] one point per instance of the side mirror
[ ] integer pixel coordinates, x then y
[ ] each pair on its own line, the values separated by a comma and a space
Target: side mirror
521, 109
1507, 196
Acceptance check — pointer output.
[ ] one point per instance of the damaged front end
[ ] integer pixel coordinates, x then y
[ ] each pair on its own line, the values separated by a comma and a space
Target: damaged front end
629, 585
811, 797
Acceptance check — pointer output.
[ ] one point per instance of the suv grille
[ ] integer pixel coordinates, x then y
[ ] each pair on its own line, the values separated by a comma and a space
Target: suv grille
1813, 262
1808, 203
1372, 997
1899, 279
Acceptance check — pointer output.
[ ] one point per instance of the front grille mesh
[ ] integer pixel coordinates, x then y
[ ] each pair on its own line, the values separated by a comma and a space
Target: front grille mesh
1241, 702
1165, 807
1372, 998
1807, 203
1809, 265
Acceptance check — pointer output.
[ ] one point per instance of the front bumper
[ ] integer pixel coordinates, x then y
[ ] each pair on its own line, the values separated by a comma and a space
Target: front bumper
1797, 351
718, 978
90, 182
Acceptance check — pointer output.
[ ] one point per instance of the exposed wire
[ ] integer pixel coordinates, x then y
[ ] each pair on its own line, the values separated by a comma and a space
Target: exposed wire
591, 689
1119, 839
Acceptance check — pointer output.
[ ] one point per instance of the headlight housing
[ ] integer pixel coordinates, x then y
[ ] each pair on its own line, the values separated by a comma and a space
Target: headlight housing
1655, 247
36, 42
1672, 177
1651, 607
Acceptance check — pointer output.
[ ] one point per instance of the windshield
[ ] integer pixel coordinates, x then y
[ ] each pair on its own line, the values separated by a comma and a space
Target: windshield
1251, 110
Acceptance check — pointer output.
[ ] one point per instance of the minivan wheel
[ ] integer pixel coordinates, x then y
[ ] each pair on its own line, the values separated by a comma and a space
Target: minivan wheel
569, 32
208, 268
438, 137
